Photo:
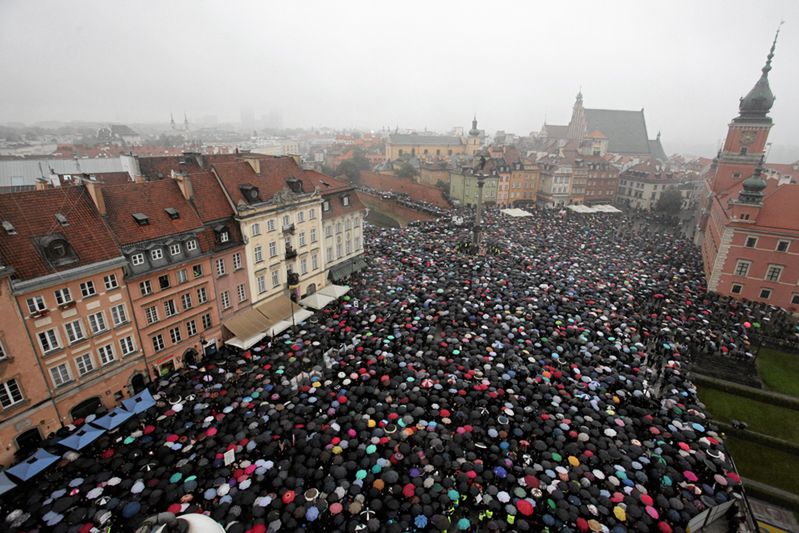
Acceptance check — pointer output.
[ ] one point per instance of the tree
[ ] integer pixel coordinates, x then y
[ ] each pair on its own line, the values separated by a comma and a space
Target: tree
406, 171
350, 169
670, 202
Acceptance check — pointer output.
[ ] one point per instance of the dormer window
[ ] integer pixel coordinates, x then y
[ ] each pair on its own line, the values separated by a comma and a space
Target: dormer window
222, 233
57, 250
250, 193
156, 254
172, 212
345, 201
141, 219
295, 185
61, 219
326, 206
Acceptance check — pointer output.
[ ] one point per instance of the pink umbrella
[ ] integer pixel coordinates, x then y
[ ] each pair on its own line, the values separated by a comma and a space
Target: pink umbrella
651, 511
690, 476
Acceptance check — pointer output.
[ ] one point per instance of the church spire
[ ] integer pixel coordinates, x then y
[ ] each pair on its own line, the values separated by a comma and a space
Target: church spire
474, 132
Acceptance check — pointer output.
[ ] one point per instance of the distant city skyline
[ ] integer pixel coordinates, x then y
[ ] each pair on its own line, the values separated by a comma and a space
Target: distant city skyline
365, 66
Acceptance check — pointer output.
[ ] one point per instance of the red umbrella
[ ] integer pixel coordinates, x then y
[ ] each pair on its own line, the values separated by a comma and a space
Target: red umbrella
525, 507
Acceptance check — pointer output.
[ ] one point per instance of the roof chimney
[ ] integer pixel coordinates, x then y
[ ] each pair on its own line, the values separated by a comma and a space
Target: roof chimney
255, 164
184, 184
42, 184
96, 192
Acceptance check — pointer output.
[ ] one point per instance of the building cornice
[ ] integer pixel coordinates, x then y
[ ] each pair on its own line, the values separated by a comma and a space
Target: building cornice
58, 278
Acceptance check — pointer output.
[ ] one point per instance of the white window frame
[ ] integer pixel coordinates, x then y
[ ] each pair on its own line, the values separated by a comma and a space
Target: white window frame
63, 296
303, 266
119, 315
170, 309
52, 339
225, 296
261, 284
270, 225
156, 254
236, 261
312, 214
738, 268
300, 216
760, 294
57, 374
81, 361
258, 254
137, 259
224, 236
313, 235
110, 282
273, 249
220, 266
191, 328
780, 269
302, 238
145, 287
241, 292
158, 342
126, 345
191, 245
183, 276
87, 289
314, 262
95, 323
255, 229
6, 392
74, 331
174, 249
275, 278
202, 295
185, 300
207, 323
151, 313
175, 335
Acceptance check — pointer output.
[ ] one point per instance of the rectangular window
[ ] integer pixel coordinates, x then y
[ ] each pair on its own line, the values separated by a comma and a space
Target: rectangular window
84, 364
261, 284
156, 254
255, 229
348, 246
145, 287
782, 246
163, 281
174, 249
774, 273
236, 261
202, 295
275, 278
286, 221
207, 321
795, 299
118, 314
169, 308
313, 235
74, 331
272, 249
736, 288
49, 340
765, 293
302, 238
329, 230
186, 301
220, 267
338, 250
329, 254
270, 225
314, 261
152, 314
87, 289
325, 206
191, 328
751, 242
174, 334
60, 374
183, 276
742, 268
303, 266
110, 282
197, 270
97, 323
312, 214
127, 346
63, 296
225, 299
191, 245
258, 254
10, 393
224, 236
36, 304
300, 217
242, 294
158, 343
137, 259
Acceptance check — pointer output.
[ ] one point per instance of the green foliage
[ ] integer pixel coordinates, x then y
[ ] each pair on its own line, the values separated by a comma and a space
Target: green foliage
670, 202
767, 465
780, 422
350, 169
406, 171
779, 370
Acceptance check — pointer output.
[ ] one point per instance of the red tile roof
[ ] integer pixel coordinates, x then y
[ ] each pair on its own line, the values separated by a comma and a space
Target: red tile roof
234, 172
33, 215
149, 198
779, 208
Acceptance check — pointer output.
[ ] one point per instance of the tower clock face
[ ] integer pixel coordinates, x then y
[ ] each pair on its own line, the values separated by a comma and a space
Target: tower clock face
747, 137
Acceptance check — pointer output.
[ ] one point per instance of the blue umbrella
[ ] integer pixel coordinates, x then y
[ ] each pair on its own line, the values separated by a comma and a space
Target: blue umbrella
113, 419
81, 438
33, 465
5, 483
139, 403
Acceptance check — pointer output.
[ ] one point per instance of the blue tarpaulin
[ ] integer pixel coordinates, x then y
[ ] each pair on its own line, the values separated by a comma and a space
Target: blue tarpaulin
113, 419
5, 483
81, 438
32, 465
139, 403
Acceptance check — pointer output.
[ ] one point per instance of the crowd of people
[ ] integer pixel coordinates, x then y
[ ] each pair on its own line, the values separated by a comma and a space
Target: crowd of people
539, 386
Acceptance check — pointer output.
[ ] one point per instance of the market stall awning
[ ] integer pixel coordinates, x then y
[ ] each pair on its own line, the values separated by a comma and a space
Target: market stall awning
336, 291
247, 324
5, 483
341, 271
139, 403
245, 344
276, 309
516, 212
113, 419
33, 465
82, 437
317, 300
302, 315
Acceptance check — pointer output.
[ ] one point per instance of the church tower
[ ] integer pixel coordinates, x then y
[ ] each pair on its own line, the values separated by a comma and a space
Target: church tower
473, 142
747, 134
578, 127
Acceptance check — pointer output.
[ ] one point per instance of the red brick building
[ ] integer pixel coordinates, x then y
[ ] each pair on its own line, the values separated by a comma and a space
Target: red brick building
749, 231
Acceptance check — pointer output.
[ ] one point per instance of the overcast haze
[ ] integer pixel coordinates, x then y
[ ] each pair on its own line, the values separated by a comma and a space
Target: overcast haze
407, 64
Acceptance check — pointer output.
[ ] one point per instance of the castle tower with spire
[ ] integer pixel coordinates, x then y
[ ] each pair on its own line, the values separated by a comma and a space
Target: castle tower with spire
473, 141
747, 134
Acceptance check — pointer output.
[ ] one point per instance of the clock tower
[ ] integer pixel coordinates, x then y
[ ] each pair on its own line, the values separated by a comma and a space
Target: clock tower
747, 134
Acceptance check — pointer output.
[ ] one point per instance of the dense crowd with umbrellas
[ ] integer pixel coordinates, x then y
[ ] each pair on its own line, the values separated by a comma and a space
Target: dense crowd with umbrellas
540, 386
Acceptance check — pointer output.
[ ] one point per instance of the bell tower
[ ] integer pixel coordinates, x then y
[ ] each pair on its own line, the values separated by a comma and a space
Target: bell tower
747, 133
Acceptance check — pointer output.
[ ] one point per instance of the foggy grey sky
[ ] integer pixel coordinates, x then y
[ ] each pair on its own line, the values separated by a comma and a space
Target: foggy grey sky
414, 64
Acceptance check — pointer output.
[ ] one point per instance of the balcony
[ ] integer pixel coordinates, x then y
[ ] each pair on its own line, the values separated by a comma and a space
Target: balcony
291, 253
288, 229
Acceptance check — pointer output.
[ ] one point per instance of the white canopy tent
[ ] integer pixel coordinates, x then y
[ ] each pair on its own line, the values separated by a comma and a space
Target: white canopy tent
516, 212
335, 291
317, 300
